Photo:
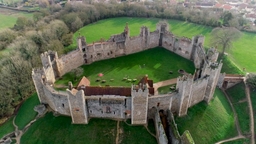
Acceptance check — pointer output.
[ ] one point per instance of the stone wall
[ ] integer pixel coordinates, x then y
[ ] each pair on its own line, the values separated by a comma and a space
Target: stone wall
198, 91
78, 108
107, 106
184, 88
160, 133
161, 101
70, 61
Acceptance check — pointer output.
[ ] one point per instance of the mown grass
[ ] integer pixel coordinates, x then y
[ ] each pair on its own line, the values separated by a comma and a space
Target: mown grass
239, 101
240, 141
165, 89
243, 53
156, 63
59, 130
8, 19
209, 123
229, 67
26, 112
136, 134
6, 128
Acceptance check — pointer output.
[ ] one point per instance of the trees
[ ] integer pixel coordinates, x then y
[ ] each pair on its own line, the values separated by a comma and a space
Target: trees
224, 37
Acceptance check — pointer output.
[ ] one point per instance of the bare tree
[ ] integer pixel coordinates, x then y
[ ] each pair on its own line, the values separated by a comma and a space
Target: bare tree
224, 37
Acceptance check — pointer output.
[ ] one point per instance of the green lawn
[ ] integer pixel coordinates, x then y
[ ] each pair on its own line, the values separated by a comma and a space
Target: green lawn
238, 99
156, 63
26, 112
243, 52
209, 123
6, 128
9, 17
136, 134
59, 130
165, 89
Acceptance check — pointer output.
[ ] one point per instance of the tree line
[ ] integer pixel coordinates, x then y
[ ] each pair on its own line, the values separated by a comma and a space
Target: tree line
53, 28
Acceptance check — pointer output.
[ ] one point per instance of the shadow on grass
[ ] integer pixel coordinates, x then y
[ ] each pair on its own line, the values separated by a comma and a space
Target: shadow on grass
156, 63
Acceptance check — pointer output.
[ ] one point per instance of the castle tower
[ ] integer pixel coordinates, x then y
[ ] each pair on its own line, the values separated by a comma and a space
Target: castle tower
37, 77
139, 109
184, 87
162, 27
213, 71
127, 31
145, 34
50, 66
77, 105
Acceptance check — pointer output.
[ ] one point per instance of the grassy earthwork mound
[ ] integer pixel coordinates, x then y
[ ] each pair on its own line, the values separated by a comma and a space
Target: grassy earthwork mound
209, 123
243, 52
156, 63
26, 112
59, 130
238, 98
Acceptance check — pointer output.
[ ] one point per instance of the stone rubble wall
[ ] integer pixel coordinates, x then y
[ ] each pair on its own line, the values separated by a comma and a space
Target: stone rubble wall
78, 108
69, 61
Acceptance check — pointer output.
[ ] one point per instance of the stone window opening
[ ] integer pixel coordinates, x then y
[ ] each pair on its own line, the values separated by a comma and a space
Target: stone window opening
77, 109
179, 48
114, 113
99, 101
158, 104
111, 52
108, 109
90, 111
63, 105
91, 56
125, 103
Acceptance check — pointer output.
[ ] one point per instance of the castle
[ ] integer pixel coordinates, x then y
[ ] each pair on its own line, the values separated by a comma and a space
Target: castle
138, 101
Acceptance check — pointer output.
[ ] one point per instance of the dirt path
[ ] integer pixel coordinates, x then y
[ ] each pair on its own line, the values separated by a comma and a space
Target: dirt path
247, 90
231, 139
235, 114
117, 132
164, 83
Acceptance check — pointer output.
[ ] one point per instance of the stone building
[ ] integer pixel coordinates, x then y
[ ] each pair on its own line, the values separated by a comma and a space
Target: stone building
136, 102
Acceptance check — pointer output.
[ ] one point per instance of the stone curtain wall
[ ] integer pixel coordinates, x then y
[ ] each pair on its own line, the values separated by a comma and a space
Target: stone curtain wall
107, 106
70, 61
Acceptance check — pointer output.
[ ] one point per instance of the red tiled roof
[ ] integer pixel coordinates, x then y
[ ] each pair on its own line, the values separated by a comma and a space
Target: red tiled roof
83, 82
122, 91
218, 5
227, 7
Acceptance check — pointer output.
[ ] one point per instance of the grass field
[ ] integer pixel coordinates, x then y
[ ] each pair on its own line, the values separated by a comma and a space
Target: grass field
243, 52
6, 128
136, 134
154, 62
238, 99
59, 130
209, 123
165, 89
8, 17
26, 112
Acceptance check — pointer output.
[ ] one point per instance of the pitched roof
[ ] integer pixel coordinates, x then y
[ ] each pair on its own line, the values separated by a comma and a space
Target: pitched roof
83, 82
